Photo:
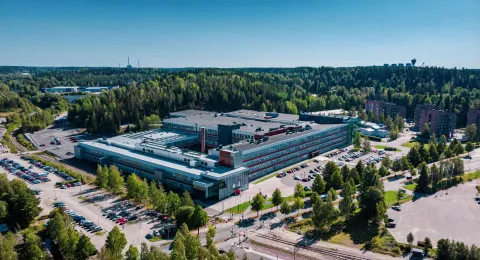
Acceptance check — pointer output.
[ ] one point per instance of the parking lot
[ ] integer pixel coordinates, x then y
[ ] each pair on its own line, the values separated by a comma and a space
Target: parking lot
452, 214
90, 205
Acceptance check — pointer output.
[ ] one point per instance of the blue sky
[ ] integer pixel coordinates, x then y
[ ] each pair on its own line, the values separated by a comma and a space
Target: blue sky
231, 33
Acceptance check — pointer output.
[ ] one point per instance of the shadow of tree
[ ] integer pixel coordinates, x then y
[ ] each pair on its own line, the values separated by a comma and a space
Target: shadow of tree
267, 216
246, 222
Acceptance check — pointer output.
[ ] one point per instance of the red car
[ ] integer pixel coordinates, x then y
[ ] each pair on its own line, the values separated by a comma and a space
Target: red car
290, 171
69, 185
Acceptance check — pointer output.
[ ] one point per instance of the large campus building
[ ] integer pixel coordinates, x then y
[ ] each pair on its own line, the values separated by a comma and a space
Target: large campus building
385, 108
234, 148
439, 121
473, 117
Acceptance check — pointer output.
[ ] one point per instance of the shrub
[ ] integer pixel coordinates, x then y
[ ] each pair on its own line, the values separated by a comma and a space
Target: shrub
396, 250
390, 149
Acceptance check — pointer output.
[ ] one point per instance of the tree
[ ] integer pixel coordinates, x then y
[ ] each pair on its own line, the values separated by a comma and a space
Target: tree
413, 62
345, 173
158, 198
183, 215
459, 149
7, 247
32, 247
257, 203
393, 134
414, 157
360, 168
346, 205
330, 169
3, 210
318, 184
298, 204
425, 132
410, 239
323, 213
383, 171
85, 248
354, 175
357, 140
133, 187
102, 177
187, 199
428, 245
115, 180
199, 218
173, 203
399, 196
424, 154
336, 180
367, 147
116, 241
387, 162
433, 153
277, 198
471, 132
298, 191
333, 193
469, 147
132, 253
23, 204
443, 249
424, 179
285, 208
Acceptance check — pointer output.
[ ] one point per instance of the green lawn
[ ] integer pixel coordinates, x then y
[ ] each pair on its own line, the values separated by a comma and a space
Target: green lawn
412, 144
239, 208
379, 146
411, 186
155, 239
391, 198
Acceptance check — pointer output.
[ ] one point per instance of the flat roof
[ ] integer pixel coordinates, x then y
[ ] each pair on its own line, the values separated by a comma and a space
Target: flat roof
189, 112
262, 114
209, 119
216, 173
245, 145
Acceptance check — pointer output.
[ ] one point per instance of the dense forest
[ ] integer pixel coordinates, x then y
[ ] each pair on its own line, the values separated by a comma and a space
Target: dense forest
156, 91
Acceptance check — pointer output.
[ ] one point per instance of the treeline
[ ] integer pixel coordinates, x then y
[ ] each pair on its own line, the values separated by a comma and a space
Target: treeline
11, 101
69, 241
185, 246
450, 249
18, 204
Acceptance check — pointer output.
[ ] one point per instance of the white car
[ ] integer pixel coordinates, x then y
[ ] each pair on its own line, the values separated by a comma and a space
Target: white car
296, 178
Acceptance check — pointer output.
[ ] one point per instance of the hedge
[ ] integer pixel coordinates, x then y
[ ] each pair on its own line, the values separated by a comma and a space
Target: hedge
62, 168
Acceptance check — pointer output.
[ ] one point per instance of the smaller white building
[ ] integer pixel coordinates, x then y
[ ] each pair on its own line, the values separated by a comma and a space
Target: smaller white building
374, 132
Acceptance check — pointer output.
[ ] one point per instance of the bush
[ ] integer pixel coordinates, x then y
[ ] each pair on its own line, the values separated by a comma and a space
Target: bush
396, 250
390, 149
25, 143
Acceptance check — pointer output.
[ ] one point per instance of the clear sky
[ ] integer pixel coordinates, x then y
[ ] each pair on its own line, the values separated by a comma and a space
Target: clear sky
239, 33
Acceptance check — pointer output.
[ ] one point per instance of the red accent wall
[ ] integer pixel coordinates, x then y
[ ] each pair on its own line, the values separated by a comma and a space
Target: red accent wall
225, 159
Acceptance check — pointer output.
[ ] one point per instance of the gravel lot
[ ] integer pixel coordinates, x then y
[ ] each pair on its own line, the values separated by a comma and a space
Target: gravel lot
452, 214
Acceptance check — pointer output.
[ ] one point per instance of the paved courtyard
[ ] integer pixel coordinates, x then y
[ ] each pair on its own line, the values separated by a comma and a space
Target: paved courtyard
452, 214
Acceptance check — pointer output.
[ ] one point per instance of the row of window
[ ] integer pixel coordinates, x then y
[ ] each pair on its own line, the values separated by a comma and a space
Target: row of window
299, 151
268, 170
292, 148
282, 145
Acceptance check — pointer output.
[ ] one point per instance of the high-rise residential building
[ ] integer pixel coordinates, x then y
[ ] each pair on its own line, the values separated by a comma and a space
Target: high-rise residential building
439, 121
418, 113
386, 108
473, 117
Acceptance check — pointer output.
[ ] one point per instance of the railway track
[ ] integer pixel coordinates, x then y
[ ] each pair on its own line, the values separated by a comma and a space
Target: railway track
17, 145
321, 250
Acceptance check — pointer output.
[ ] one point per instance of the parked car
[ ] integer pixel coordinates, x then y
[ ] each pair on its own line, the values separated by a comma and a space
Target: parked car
397, 208
306, 188
391, 225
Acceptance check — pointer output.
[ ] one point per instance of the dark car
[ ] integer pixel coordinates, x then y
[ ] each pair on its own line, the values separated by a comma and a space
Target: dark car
391, 225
